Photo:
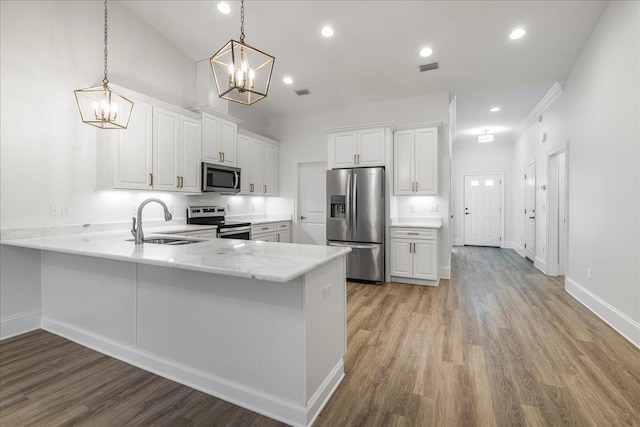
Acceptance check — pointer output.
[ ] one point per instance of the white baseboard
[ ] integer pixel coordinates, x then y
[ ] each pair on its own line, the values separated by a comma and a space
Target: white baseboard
509, 244
457, 242
623, 324
283, 410
19, 324
420, 282
324, 392
540, 264
445, 270
519, 249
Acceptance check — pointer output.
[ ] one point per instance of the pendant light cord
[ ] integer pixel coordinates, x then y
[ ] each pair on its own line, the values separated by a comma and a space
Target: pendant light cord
241, 21
105, 80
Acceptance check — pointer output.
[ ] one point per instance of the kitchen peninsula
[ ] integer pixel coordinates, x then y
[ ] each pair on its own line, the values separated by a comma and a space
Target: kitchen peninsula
261, 325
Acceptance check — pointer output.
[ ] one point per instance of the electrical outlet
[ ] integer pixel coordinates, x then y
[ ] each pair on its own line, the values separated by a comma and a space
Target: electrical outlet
228, 207
412, 209
434, 208
54, 210
589, 273
326, 291
253, 207
66, 211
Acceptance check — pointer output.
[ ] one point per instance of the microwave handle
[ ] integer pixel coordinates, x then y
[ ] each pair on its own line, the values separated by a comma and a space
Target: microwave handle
236, 179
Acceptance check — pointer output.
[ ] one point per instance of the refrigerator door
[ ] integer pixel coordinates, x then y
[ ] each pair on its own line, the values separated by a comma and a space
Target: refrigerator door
365, 261
339, 193
368, 205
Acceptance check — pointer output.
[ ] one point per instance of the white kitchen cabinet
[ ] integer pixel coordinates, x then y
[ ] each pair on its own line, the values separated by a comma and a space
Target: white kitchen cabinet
176, 151
258, 162
219, 139
132, 151
283, 233
264, 232
415, 160
414, 256
362, 147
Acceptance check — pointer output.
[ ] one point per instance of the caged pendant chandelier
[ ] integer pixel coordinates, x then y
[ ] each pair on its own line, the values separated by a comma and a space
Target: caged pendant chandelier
242, 72
101, 106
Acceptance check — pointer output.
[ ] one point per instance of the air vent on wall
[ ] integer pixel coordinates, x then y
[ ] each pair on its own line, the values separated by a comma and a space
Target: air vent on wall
427, 67
301, 92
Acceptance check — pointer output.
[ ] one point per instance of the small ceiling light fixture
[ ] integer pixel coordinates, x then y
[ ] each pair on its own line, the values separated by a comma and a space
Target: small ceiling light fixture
327, 31
223, 7
495, 109
486, 137
242, 72
288, 80
426, 51
101, 106
518, 33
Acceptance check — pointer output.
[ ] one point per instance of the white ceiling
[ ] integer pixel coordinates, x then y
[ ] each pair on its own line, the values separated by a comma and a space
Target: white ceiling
374, 52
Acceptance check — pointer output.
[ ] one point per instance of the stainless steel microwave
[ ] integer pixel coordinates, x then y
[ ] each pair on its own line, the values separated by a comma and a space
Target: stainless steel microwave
220, 179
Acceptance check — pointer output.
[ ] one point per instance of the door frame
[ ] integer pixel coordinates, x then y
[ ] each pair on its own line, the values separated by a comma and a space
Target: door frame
552, 268
464, 195
296, 201
524, 206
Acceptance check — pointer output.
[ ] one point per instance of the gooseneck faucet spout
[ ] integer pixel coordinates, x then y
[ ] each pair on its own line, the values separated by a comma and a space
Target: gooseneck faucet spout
136, 230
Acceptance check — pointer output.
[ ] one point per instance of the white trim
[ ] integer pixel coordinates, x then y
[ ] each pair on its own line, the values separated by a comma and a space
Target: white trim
19, 324
438, 125
554, 92
391, 125
623, 324
209, 110
457, 242
286, 411
325, 391
259, 137
445, 270
502, 186
410, 281
535, 207
519, 249
540, 264
553, 267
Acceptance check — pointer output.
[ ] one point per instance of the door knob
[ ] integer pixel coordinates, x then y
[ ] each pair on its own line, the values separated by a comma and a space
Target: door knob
303, 217
466, 213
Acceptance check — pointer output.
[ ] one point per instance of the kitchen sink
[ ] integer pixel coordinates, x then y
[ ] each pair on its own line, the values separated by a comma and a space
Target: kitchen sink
168, 241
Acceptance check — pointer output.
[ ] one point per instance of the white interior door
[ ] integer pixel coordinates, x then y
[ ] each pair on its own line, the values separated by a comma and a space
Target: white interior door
482, 204
311, 203
556, 222
562, 209
530, 211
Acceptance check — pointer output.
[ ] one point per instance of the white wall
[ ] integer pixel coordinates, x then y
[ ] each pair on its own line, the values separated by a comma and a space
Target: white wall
481, 158
598, 113
303, 138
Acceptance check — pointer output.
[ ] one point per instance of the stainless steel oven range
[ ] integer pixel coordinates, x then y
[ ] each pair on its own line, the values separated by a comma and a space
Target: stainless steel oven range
214, 215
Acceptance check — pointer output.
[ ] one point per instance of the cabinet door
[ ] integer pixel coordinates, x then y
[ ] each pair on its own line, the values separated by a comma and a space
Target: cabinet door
270, 237
211, 146
243, 163
426, 161
342, 150
425, 265
401, 258
133, 150
256, 159
270, 184
166, 141
403, 163
283, 237
371, 147
190, 155
229, 143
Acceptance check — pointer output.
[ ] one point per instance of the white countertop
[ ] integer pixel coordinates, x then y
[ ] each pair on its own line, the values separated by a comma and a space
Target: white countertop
277, 262
417, 222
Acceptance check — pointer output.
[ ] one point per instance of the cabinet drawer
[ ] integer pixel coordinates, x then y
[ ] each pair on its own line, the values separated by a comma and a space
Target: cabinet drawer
283, 225
414, 233
263, 228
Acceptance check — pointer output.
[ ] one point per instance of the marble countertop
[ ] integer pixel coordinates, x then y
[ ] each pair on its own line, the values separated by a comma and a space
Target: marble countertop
277, 262
417, 222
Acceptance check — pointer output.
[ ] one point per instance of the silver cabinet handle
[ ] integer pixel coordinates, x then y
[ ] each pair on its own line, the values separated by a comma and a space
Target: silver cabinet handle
223, 157
177, 181
358, 159
417, 186
354, 160
265, 189
150, 180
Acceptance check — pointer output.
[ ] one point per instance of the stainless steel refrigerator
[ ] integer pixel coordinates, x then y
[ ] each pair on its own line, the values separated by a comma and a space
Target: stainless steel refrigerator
355, 218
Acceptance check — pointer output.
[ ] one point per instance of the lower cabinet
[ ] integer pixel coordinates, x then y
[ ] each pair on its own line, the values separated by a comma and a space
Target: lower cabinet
283, 234
414, 256
272, 232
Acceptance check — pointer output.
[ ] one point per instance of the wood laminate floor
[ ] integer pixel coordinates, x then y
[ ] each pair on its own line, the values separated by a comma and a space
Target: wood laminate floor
498, 344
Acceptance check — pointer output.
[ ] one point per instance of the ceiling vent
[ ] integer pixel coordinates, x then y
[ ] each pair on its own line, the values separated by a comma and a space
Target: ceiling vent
302, 92
427, 67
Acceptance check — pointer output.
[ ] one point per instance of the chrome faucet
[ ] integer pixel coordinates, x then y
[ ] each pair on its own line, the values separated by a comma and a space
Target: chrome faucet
136, 230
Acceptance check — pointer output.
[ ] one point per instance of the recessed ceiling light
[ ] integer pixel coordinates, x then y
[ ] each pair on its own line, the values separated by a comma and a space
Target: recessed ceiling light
327, 31
224, 7
426, 51
518, 33
495, 109
288, 80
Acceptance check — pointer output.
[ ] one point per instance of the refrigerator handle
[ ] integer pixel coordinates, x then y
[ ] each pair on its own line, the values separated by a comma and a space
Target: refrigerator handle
348, 208
355, 203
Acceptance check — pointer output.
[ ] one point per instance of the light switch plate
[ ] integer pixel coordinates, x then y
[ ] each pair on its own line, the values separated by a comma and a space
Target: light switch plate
326, 291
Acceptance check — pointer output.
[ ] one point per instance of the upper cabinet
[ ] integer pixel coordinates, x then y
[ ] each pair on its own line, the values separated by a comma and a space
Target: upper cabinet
219, 138
258, 162
358, 147
415, 162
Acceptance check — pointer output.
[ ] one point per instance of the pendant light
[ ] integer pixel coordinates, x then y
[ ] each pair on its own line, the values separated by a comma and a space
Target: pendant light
242, 72
101, 106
